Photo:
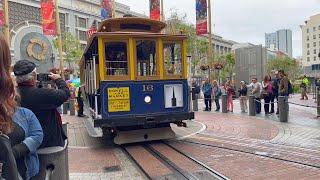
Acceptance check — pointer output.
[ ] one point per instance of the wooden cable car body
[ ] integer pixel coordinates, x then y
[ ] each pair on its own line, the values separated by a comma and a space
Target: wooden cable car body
135, 79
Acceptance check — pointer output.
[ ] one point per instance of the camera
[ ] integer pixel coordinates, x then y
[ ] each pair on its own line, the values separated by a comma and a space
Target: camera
43, 77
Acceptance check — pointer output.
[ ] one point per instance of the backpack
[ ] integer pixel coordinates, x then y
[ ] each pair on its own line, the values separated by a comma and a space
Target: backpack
219, 93
290, 88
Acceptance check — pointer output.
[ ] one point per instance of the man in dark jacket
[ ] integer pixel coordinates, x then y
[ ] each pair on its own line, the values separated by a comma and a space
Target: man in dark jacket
275, 90
43, 102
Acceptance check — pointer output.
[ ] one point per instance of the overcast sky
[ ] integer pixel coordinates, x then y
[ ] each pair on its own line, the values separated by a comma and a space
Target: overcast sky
245, 20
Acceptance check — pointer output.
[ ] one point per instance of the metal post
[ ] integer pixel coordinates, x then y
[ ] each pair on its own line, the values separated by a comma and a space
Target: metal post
59, 38
318, 103
283, 111
195, 98
252, 106
224, 103
72, 107
6, 21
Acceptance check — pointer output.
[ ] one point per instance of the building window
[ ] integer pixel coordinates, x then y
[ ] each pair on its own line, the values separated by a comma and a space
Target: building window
314, 44
307, 30
308, 59
308, 52
307, 38
314, 29
318, 27
82, 35
314, 36
146, 57
116, 58
82, 22
319, 35
314, 58
314, 51
308, 45
83, 46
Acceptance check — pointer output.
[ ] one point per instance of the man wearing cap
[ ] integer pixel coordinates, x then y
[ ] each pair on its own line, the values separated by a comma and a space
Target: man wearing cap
43, 102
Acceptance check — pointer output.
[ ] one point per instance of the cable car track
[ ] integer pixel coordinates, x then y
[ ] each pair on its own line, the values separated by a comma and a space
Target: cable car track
174, 165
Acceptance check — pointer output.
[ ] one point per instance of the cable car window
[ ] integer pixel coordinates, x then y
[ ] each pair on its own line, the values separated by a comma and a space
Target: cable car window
172, 58
116, 58
146, 58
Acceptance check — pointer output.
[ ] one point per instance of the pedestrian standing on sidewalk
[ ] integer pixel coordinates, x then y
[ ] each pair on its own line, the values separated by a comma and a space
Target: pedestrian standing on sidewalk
216, 94
303, 87
284, 88
243, 92
256, 91
275, 91
230, 92
267, 93
42, 102
207, 90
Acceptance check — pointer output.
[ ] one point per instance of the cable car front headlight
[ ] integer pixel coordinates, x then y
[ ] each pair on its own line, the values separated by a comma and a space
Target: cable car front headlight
147, 99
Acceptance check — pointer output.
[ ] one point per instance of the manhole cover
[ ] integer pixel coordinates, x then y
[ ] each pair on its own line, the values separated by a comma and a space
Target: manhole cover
112, 169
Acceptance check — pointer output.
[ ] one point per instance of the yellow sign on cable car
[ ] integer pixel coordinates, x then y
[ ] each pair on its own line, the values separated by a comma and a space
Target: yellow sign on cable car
119, 99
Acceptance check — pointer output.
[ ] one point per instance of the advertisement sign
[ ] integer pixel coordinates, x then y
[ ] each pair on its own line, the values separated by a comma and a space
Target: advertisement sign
155, 10
173, 94
106, 11
202, 19
1, 13
48, 17
119, 99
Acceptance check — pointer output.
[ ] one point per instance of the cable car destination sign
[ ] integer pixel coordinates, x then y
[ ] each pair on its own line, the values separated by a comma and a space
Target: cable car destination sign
119, 99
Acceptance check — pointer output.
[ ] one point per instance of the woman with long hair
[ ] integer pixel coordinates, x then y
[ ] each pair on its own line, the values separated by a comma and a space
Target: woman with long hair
19, 124
267, 93
230, 92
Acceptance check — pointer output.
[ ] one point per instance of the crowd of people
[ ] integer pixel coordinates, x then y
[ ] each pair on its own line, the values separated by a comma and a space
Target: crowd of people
29, 117
266, 92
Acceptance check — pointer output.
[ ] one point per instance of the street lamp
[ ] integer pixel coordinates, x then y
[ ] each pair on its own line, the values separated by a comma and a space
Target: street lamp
189, 63
52, 59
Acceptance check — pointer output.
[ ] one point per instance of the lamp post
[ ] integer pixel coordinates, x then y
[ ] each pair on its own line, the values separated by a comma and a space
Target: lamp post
52, 60
189, 65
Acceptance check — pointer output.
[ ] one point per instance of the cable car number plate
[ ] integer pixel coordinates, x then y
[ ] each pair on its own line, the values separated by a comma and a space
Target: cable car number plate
119, 99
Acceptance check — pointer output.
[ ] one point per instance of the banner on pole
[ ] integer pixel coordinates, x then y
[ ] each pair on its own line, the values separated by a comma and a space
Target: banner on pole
106, 11
155, 10
1, 13
92, 30
202, 18
48, 18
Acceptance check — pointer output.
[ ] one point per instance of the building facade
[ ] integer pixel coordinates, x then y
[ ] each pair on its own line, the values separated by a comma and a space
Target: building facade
251, 62
27, 40
280, 40
311, 41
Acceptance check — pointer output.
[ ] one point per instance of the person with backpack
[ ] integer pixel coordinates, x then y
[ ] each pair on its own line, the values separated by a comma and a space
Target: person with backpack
243, 91
216, 94
230, 92
207, 90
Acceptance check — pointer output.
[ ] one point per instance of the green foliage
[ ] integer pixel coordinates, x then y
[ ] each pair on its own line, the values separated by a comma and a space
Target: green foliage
290, 67
228, 71
71, 47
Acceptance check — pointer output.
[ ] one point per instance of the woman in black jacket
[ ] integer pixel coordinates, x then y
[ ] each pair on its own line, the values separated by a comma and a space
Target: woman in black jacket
243, 96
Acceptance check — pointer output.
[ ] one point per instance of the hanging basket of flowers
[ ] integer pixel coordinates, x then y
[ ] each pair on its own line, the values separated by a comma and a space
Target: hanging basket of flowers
204, 67
218, 66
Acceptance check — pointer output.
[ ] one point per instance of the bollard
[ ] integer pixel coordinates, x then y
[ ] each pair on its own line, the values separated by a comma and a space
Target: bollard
283, 111
53, 163
65, 107
252, 106
72, 107
224, 103
318, 104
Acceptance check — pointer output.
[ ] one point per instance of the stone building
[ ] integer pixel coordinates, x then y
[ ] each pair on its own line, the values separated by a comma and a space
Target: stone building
27, 40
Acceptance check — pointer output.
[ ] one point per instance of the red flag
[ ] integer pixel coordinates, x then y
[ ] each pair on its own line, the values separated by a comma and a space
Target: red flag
202, 20
1, 13
155, 10
106, 11
48, 17
92, 30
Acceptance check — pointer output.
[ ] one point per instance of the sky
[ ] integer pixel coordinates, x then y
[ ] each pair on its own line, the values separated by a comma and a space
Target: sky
245, 20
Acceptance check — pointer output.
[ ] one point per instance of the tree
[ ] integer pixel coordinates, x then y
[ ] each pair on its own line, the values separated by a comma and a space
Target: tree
291, 67
228, 62
72, 49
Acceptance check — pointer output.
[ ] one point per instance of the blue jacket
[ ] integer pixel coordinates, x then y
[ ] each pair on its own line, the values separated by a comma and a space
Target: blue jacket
207, 89
34, 136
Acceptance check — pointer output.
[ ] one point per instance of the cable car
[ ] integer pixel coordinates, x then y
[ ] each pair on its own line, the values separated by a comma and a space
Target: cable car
135, 81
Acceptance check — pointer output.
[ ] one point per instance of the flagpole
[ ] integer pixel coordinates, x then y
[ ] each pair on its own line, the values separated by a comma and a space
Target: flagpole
59, 38
210, 56
162, 11
6, 21
113, 8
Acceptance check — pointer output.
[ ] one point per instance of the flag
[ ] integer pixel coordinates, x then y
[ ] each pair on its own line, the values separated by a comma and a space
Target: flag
106, 11
92, 30
48, 17
155, 10
1, 13
202, 20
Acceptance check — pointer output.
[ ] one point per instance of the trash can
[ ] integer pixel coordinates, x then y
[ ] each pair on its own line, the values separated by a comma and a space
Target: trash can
54, 164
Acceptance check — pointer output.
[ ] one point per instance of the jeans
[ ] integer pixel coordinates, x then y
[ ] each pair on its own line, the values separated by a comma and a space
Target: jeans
267, 100
208, 102
216, 100
258, 105
273, 97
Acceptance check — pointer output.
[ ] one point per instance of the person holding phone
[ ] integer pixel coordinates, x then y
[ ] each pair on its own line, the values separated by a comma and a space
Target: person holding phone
42, 102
